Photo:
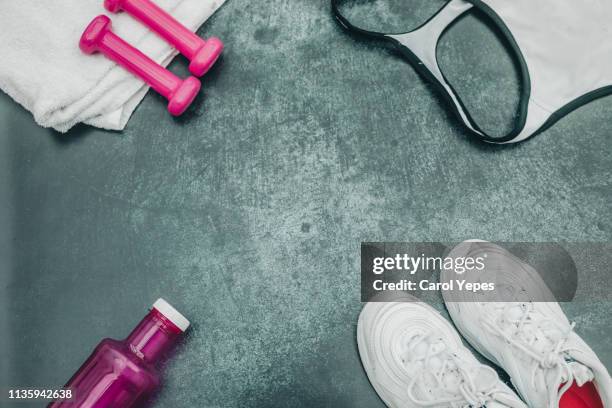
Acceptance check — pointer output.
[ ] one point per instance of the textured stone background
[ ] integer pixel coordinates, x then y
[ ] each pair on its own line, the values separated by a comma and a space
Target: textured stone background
248, 212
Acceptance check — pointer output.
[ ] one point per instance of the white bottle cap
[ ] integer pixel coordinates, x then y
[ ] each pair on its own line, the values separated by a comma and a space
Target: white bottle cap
171, 314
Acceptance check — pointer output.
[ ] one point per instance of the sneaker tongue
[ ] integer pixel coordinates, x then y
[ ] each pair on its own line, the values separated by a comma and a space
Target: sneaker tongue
582, 374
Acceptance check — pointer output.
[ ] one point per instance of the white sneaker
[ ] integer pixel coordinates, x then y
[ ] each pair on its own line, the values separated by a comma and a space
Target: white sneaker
414, 358
533, 341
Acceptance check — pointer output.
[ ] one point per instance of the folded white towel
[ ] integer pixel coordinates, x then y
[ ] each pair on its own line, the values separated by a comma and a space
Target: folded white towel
43, 69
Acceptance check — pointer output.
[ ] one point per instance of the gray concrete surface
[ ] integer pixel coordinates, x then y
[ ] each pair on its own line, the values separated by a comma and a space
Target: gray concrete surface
248, 212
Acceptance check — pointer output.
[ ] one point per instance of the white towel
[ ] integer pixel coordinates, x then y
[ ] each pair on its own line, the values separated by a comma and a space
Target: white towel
43, 69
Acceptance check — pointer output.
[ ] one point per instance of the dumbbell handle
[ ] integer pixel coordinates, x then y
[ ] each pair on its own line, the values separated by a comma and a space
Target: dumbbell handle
160, 79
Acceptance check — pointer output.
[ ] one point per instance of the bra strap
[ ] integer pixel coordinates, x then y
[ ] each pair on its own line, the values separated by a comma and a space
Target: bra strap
348, 26
419, 46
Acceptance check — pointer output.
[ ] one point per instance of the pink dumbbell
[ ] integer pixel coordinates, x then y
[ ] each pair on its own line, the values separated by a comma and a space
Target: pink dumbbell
99, 37
202, 54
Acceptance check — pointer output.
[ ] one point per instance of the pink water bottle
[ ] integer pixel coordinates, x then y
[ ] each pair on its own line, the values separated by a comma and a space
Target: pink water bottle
122, 374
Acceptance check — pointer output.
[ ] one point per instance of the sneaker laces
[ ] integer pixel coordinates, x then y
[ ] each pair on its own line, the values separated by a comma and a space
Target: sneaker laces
526, 331
428, 356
